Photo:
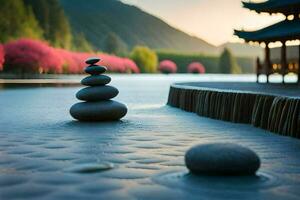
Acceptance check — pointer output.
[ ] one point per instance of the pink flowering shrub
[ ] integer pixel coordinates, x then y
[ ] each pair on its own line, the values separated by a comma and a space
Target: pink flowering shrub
33, 56
112, 62
118, 64
196, 67
70, 65
79, 58
1, 57
167, 66
130, 66
73, 62
27, 55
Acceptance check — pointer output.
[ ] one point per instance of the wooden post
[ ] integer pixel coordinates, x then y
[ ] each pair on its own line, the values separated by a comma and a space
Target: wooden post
267, 61
258, 69
299, 66
284, 66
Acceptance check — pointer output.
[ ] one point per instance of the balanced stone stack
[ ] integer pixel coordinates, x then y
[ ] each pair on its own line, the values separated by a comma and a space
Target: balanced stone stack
97, 105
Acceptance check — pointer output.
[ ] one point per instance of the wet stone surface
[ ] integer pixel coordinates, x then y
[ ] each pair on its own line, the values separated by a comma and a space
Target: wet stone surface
92, 60
96, 80
222, 159
106, 110
97, 93
95, 69
44, 154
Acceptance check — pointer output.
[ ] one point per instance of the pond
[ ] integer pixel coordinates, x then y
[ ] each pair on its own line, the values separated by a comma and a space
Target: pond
46, 154
32, 107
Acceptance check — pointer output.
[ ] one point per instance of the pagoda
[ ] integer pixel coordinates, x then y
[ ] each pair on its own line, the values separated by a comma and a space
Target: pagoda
286, 30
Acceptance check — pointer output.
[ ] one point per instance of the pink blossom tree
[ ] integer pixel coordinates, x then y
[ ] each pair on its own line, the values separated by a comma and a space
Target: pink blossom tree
1, 57
79, 58
33, 56
196, 67
130, 66
73, 62
27, 55
113, 63
167, 66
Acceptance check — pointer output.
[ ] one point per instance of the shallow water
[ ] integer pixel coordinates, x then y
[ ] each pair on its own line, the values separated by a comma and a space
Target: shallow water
39, 108
45, 154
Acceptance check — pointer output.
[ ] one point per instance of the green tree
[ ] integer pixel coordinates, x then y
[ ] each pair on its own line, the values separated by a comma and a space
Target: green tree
145, 58
81, 44
228, 63
52, 19
17, 20
113, 44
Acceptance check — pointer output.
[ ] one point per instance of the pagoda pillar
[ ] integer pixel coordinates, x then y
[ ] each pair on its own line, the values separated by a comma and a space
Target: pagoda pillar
299, 66
258, 69
267, 64
284, 67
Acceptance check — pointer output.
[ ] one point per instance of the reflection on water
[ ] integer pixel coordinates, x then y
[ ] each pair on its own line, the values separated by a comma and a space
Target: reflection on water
35, 85
187, 181
74, 80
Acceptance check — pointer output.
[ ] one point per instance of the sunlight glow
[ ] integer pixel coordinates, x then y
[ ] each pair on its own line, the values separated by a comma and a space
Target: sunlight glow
212, 20
275, 44
293, 43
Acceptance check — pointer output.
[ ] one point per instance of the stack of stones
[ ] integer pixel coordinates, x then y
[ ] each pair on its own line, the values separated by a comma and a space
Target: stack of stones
97, 105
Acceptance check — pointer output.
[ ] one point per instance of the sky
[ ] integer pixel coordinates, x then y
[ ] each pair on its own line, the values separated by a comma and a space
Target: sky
211, 20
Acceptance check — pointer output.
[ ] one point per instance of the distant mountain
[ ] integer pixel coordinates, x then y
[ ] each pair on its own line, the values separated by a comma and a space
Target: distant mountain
243, 50
98, 18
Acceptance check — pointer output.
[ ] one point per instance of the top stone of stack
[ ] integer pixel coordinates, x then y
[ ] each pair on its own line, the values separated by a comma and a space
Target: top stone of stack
92, 61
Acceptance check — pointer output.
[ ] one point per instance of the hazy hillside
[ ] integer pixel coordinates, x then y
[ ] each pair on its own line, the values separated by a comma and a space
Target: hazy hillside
97, 18
243, 50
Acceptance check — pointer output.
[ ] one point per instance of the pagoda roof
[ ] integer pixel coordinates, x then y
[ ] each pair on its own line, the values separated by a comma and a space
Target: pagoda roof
282, 31
286, 7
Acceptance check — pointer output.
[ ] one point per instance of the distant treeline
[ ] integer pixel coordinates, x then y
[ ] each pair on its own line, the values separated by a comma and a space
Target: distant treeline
212, 63
39, 19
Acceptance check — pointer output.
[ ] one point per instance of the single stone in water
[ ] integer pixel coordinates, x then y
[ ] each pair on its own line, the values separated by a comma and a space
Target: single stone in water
95, 70
97, 93
92, 60
91, 168
96, 80
222, 159
98, 111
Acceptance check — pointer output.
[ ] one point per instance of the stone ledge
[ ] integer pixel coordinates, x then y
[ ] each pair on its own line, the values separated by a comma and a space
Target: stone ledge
278, 114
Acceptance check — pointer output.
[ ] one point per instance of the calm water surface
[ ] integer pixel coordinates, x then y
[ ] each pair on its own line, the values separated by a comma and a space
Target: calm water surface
30, 107
41, 145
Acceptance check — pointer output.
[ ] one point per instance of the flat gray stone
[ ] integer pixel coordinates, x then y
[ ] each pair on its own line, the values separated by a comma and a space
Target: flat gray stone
92, 60
95, 69
97, 93
221, 159
96, 80
91, 168
98, 111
